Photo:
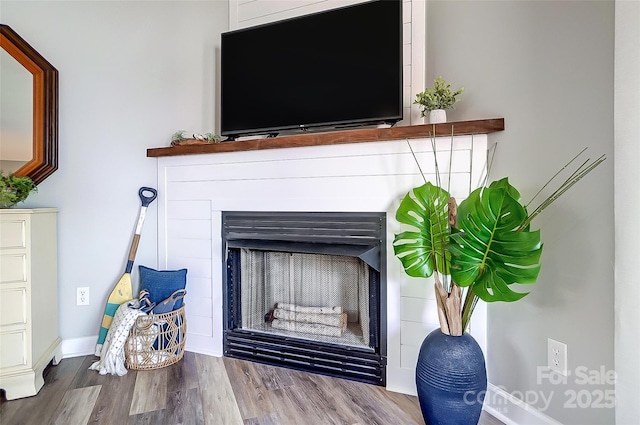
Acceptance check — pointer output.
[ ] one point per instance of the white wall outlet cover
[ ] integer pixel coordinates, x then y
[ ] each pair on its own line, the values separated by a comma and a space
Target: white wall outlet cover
557, 356
82, 296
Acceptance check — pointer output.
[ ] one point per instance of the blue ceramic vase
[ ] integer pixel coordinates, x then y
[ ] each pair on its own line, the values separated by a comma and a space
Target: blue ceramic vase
451, 378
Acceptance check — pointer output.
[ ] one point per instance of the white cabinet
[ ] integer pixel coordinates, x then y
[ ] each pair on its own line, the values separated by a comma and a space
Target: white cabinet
29, 337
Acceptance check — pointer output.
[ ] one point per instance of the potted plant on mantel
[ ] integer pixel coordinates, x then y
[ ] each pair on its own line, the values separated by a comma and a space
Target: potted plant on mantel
437, 99
475, 251
14, 189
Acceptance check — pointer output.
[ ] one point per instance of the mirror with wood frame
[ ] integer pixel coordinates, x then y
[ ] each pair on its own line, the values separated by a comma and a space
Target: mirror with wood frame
18, 100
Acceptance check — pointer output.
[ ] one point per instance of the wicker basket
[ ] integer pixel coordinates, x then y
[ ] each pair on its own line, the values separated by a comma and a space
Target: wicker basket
156, 340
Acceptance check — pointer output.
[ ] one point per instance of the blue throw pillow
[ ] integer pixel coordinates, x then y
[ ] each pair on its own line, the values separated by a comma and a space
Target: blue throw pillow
162, 283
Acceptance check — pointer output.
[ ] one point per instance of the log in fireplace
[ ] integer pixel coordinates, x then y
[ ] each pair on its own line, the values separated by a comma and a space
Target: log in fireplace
307, 290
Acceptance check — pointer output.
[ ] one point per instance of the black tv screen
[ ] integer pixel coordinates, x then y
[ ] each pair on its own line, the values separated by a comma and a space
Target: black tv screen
332, 69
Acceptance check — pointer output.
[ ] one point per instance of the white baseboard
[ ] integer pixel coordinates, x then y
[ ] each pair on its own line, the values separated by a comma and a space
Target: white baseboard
202, 345
512, 410
76, 347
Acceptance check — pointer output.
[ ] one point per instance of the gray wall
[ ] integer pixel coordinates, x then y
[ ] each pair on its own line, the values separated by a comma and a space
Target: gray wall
547, 68
131, 73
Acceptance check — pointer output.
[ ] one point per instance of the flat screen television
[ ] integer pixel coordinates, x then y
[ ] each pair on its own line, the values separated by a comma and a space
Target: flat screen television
333, 69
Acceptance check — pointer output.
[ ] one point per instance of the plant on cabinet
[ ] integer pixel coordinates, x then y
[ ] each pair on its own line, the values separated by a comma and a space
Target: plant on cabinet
15, 189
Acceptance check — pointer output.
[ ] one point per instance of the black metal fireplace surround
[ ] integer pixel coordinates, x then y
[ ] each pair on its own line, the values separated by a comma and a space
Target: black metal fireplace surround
297, 248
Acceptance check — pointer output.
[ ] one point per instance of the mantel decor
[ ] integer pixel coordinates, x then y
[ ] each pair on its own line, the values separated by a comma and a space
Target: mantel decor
435, 100
459, 128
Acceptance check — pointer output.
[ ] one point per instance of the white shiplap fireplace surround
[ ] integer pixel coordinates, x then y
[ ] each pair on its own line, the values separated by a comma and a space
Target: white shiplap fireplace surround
350, 171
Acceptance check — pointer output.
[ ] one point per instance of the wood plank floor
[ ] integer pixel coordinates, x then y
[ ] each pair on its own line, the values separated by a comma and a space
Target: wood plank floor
210, 391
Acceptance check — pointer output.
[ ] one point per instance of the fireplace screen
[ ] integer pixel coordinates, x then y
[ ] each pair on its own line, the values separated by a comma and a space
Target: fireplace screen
318, 297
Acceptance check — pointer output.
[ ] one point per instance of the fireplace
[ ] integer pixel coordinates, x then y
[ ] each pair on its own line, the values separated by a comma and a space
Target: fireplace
316, 172
307, 290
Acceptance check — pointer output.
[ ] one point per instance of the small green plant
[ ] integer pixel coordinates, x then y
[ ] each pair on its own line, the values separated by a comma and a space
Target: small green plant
178, 136
440, 96
14, 189
212, 138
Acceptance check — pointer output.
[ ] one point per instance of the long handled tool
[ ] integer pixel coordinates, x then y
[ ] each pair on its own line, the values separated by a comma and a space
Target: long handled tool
123, 291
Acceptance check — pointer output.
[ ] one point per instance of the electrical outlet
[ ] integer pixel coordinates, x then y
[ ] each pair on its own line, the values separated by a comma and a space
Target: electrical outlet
82, 296
557, 356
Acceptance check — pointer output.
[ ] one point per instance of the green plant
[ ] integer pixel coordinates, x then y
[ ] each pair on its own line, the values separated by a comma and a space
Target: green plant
178, 136
440, 96
14, 189
212, 138
478, 249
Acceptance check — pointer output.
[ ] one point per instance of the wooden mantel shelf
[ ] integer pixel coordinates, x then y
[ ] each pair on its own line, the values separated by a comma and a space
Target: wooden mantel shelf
459, 128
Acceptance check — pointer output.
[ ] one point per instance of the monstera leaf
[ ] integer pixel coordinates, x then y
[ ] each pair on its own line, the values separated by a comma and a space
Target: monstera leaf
493, 249
486, 247
424, 250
